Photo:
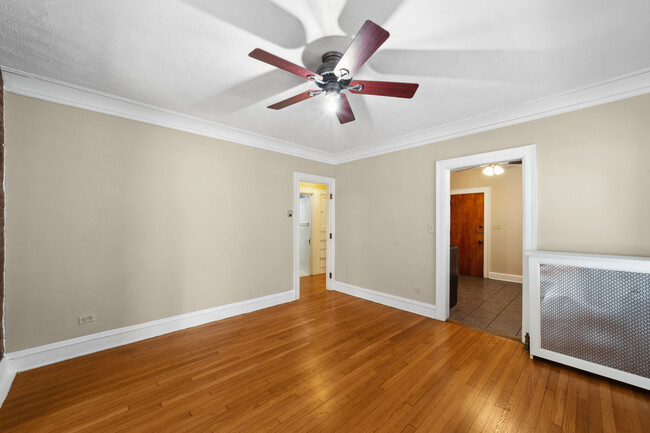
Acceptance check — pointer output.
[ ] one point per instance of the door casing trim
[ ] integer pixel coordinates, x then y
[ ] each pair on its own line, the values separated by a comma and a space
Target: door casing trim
528, 156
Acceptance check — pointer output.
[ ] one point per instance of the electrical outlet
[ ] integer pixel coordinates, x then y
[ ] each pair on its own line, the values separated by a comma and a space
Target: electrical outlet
86, 319
430, 227
417, 290
496, 226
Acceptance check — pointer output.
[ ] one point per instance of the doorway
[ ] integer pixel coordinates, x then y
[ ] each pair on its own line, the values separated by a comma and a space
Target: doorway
313, 229
527, 155
313, 232
488, 288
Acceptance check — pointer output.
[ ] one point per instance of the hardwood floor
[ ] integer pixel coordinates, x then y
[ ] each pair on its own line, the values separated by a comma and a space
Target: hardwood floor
326, 363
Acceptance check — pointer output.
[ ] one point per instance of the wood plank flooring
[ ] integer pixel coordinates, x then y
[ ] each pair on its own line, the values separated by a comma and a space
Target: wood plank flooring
326, 363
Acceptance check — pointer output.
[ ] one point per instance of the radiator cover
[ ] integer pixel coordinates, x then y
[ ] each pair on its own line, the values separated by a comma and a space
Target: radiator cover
597, 315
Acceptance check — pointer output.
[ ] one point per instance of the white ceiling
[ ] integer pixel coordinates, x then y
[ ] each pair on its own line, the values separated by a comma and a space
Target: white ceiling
478, 63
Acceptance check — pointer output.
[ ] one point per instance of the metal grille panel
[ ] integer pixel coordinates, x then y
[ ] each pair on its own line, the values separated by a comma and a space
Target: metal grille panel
597, 315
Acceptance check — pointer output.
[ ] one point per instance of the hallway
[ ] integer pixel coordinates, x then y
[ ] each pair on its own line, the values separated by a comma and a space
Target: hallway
489, 304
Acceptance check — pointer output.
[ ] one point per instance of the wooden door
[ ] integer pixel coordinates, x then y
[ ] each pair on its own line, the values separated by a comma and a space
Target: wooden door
467, 229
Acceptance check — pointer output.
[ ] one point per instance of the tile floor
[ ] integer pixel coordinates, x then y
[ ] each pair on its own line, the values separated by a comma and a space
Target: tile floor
490, 304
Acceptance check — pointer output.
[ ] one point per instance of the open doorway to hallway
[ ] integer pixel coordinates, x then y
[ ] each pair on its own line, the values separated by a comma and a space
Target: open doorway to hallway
313, 228
486, 253
312, 236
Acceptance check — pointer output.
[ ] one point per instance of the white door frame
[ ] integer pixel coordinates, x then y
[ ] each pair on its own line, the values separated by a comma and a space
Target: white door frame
527, 154
486, 222
329, 245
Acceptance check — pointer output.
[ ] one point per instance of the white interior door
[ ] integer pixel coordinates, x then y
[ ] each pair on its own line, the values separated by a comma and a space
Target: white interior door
322, 232
304, 234
318, 231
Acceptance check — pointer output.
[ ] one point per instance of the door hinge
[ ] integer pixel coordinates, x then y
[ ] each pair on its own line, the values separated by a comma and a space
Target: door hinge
330, 235
330, 275
527, 342
331, 196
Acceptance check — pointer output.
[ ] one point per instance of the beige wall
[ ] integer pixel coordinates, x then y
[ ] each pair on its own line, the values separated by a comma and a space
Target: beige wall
593, 180
506, 216
135, 222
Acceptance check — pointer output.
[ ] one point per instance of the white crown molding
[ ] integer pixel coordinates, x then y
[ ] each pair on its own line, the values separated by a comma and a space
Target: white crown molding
613, 89
34, 86
35, 357
405, 304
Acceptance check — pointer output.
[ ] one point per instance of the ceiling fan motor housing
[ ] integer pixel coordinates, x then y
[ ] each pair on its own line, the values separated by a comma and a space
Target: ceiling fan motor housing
328, 71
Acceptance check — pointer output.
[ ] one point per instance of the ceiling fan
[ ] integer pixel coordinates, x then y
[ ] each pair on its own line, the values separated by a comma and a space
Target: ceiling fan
337, 71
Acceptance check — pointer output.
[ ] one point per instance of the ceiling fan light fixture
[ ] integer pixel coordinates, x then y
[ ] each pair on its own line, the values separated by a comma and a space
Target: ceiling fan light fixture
493, 169
332, 95
333, 90
332, 102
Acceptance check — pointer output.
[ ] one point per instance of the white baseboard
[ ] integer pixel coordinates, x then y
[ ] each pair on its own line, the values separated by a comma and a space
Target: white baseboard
7, 375
35, 357
417, 307
505, 277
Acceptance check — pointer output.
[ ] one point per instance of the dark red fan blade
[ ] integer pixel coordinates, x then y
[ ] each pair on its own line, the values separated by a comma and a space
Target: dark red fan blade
279, 62
344, 111
290, 101
365, 43
385, 88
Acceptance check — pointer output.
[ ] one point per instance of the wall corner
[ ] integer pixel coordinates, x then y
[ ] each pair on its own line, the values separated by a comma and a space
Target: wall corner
2, 216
